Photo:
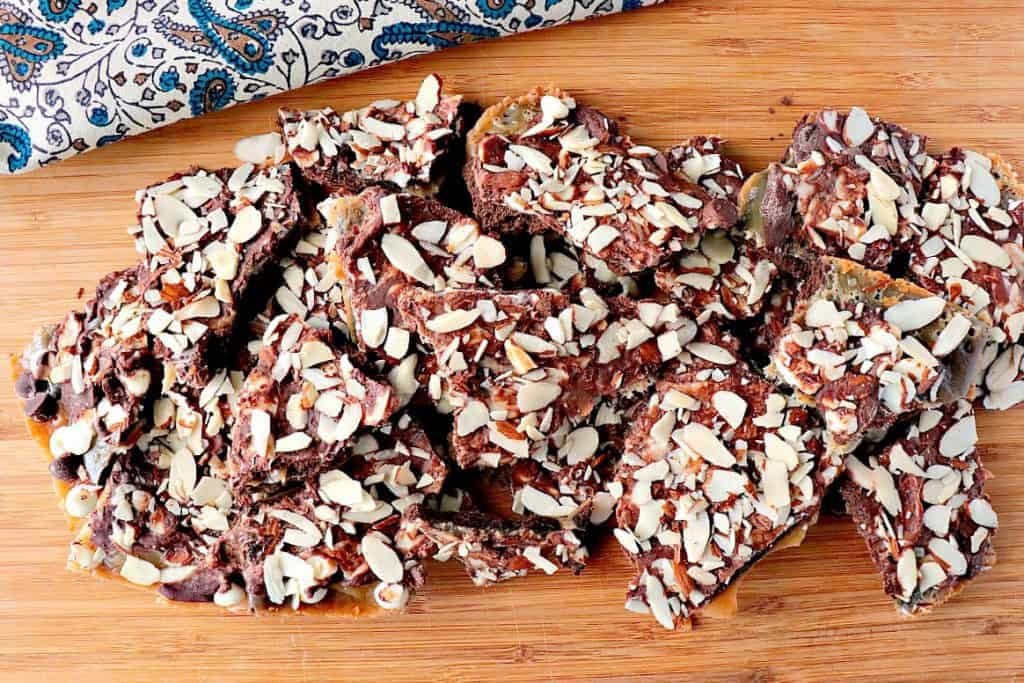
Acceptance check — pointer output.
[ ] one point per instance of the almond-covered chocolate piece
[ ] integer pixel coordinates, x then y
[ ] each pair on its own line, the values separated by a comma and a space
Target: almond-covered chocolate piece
920, 505
204, 240
969, 248
728, 272
171, 485
390, 242
491, 548
404, 144
332, 537
544, 161
868, 349
300, 408
90, 378
716, 472
525, 366
702, 161
847, 186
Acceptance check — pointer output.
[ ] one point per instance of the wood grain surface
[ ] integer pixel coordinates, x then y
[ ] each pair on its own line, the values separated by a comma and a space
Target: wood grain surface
747, 70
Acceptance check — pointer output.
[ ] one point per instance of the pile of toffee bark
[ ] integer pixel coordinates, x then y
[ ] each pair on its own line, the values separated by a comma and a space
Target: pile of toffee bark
327, 357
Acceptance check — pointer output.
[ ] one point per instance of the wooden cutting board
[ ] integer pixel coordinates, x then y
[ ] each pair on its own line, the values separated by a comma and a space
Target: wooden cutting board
744, 69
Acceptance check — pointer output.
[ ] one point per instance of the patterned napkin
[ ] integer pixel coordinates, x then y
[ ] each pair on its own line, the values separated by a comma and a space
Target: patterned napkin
78, 74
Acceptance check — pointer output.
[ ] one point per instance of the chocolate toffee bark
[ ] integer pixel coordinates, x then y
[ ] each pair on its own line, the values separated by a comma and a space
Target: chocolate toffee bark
204, 240
868, 349
717, 471
541, 383
969, 248
332, 533
524, 365
299, 409
920, 505
544, 162
490, 548
167, 498
727, 276
309, 286
728, 272
847, 186
702, 161
390, 242
89, 380
406, 145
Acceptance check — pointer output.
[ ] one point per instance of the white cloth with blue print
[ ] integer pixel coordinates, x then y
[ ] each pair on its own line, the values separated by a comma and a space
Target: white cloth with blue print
79, 74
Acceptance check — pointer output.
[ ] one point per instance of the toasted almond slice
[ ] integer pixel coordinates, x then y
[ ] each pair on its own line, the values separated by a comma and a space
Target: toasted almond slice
247, 224
139, 571
913, 314
488, 252
452, 321
959, 439
404, 255
731, 406
429, 95
536, 395
951, 336
858, 127
982, 513
705, 443
296, 441
983, 250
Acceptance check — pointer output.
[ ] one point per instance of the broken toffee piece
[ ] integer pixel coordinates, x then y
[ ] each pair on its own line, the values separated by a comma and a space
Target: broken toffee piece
728, 272
491, 549
716, 472
702, 161
543, 161
204, 239
847, 186
920, 505
523, 366
90, 377
390, 242
403, 144
309, 285
969, 248
868, 349
299, 408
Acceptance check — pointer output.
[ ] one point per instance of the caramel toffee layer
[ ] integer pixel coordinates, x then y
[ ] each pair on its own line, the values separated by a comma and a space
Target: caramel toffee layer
298, 392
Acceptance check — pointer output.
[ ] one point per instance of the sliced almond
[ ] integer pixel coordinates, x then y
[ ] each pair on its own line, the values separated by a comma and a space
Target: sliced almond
374, 324
731, 406
711, 353
488, 252
913, 314
259, 430
296, 441
982, 513
382, 559
705, 443
246, 225
533, 158
983, 250
390, 212
534, 396
951, 336
858, 127
404, 255
139, 571
452, 321
429, 95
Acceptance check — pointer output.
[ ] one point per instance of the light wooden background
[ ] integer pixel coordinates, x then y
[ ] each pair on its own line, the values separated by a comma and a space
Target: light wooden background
745, 69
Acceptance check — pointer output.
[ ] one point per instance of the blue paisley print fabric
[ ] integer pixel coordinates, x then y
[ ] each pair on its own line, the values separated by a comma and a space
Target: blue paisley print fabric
79, 74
